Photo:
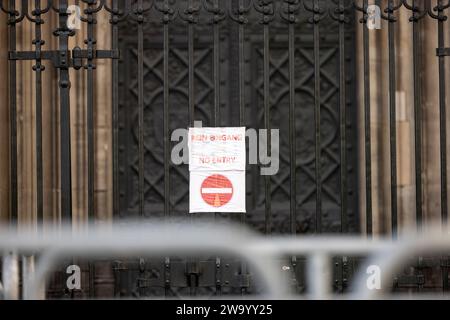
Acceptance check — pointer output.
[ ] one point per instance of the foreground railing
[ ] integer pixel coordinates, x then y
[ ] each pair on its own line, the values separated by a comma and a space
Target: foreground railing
159, 239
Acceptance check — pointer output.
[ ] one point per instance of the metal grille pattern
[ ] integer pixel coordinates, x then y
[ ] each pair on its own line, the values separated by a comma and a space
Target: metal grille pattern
260, 63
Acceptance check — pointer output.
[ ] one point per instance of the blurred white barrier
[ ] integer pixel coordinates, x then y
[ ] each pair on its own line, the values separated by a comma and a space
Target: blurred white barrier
261, 253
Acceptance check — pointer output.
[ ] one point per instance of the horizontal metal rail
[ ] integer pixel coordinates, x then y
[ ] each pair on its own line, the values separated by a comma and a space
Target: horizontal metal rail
261, 254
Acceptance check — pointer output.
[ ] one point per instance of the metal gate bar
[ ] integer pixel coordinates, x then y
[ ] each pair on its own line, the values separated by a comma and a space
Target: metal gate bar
63, 34
138, 12
341, 18
114, 10
90, 66
392, 114
292, 8
416, 17
317, 110
442, 109
367, 109
38, 68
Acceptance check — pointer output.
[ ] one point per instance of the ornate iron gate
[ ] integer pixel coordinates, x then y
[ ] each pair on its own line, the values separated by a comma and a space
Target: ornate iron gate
264, 64
228, 67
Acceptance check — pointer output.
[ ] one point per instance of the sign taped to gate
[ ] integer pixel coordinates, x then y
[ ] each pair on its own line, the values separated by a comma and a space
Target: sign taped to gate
212, 149
217, 158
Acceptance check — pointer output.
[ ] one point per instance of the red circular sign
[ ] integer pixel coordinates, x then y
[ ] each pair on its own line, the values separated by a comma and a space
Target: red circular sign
216, 190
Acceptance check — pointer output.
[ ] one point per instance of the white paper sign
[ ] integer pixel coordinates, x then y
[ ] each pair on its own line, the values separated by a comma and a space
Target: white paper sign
216, 149
217, 191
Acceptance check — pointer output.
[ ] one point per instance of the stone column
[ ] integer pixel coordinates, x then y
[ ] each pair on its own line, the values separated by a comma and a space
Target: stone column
26, 129
405, 121
430, 116
78, 124
103, 124
380, 157
379, 122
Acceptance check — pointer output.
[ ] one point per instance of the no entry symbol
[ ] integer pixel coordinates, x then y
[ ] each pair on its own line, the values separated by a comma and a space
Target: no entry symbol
217, 190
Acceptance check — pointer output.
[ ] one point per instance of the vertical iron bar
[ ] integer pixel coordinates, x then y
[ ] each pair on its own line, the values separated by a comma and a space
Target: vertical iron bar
216, 112
392, 119
343, 137
191, 70
417, 119
241, 39
191, 107
64, 85
292, 142
166, 117
367, 147
166, 126
13, 117
216, 67
443, 137
317, 107
267, 182
89, 67
443, 116
191, 77
343, 121
38, 69
115, 108
141, 107
90, 41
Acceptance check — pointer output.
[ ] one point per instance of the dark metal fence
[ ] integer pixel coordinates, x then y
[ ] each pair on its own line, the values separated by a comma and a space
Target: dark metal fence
265, 64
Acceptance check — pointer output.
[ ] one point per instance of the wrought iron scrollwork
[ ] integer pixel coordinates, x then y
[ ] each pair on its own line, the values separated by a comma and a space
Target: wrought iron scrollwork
340, 12
289, 11
213, 7
318, 13
390, 10
168, 13
267, 10
190, 13
118, 15
440, 11
417, 12
240, 15
138, 11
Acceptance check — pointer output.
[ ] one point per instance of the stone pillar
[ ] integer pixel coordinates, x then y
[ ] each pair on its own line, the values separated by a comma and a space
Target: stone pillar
103, 276
380, 157
103, 124
26, 129
78, 124
430, 116
379, 121
405, 121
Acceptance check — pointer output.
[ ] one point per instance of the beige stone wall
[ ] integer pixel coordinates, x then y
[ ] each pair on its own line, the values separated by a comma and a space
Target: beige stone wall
405, 124
26, 117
